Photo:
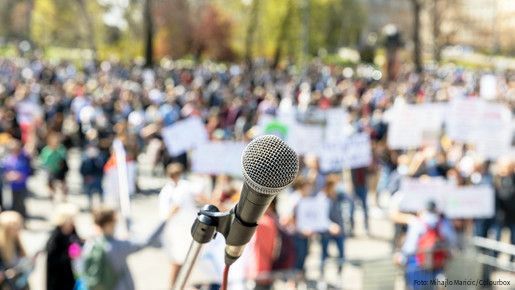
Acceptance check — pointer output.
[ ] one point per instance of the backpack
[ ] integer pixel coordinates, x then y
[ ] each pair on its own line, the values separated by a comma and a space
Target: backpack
99, 273
431, 249
284, 258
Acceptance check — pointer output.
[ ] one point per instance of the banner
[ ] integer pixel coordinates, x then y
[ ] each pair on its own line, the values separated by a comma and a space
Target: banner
184, 135
475, 201
353, 152
486, 125
218, 158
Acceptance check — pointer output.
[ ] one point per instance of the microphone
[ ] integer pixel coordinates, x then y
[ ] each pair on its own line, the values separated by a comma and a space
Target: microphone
269, 165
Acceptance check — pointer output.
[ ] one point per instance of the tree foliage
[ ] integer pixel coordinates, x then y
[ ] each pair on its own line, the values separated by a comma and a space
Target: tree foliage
216, 29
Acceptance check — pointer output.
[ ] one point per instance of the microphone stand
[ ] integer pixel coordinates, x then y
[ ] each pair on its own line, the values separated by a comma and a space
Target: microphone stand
208, 223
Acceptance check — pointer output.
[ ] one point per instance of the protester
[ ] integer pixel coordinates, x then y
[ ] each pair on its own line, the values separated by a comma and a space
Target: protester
262, 249
177, 201
301, 237
92, 170
63, 247
336, 231
359, 183
17, 169
504, 182
12, 253
105, 256
426, 250
53, 158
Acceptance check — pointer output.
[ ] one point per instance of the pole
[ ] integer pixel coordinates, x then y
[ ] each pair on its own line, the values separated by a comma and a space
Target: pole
186, 268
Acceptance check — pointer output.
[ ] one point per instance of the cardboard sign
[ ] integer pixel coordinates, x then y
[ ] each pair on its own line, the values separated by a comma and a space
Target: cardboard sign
486, 125
412, 126
353, 152
305, 139
218, 158
477, 201
184, 135
312, 214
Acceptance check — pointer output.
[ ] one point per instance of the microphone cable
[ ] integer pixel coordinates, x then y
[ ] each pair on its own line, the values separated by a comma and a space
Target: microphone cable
225, 279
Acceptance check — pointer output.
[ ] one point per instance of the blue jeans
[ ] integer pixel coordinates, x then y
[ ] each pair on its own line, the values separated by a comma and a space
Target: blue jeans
360, 192
93, 186
301, 251
325, 238
483, 226
418, 278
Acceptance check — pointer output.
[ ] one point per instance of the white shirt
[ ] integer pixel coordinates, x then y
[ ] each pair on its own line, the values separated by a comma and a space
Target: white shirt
180, 194
177, 237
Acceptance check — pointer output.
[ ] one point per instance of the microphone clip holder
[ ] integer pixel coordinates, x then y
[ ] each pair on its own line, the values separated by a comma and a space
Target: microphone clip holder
208, 223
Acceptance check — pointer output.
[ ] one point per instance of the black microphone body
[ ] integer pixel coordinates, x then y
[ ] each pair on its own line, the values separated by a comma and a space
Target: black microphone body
269, 165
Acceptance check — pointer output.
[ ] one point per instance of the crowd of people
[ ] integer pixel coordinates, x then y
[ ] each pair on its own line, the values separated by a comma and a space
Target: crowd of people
48, 108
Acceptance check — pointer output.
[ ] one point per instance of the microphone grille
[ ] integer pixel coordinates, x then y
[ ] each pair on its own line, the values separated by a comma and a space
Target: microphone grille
269, 164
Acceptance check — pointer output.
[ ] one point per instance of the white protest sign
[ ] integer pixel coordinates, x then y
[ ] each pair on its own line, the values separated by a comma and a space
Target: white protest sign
494, 133
486, 125
411, 126
470, 202
456, 201
305, 138
488, 87
404, 130
352, 152
312, 214
218, 158
419, 191
184, 135
463, 119
336, 121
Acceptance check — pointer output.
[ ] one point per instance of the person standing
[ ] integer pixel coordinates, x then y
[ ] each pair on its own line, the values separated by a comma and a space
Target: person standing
335, 231
105, 256
263, 250
429, 239
504, 184
359, 183
177, 201
92, 171
63, 246
17, 169
301, 237
12, 253
53, 158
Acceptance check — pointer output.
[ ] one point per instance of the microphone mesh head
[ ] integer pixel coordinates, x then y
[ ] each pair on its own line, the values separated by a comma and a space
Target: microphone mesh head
269, 165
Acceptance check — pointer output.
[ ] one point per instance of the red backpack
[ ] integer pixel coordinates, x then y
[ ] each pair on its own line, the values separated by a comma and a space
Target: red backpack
431, 248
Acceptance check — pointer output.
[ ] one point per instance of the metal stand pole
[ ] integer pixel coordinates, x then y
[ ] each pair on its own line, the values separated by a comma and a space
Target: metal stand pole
209, 221
186, 268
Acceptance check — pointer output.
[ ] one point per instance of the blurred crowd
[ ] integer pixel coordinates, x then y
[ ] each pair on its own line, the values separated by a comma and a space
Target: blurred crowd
48, 108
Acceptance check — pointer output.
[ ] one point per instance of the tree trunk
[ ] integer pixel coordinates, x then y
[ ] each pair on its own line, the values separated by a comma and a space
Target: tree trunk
285, 25
305, 31
28, 21
149, 34
251, 32
89, 26
5, 18
417, 48
437, 39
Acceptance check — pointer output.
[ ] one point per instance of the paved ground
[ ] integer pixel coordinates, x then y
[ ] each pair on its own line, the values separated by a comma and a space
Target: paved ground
150, 267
